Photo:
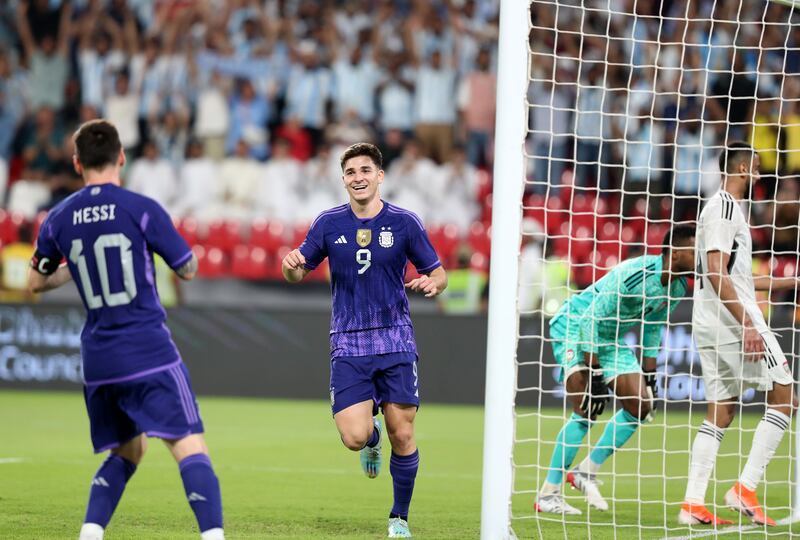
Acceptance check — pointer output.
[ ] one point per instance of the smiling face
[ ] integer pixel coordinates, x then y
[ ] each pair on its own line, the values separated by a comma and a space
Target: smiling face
361, 177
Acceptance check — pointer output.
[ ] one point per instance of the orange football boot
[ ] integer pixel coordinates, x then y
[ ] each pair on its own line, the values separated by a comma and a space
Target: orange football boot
743, 500
698, 514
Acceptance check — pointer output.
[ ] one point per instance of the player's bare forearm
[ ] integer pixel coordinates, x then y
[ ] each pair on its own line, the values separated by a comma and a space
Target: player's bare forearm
723, 285
431, 284
768, 283
39, 283
188, 270
439, 277
293, 267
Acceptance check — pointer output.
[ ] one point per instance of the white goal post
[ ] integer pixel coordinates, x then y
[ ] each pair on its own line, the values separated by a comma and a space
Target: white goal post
509, 182
524, 404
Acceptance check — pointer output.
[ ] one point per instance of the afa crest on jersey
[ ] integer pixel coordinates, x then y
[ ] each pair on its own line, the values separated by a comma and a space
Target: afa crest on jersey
385, 239
363, 237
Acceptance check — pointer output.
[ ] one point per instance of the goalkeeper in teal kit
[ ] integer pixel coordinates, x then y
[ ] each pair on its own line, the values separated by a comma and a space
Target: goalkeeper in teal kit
587, 335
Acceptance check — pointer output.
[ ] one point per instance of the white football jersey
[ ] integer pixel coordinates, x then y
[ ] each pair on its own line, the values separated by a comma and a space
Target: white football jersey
722, 227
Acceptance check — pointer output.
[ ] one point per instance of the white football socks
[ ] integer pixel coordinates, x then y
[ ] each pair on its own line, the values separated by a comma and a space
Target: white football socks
702, 460
549, 489
213, 534
588, 466
91, 531
766, 439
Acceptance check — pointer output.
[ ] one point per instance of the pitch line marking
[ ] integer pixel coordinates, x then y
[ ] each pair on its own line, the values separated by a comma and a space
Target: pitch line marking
3, 461
730, 530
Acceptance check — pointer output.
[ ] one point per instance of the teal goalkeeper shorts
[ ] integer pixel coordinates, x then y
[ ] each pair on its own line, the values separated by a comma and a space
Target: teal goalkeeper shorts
616, 358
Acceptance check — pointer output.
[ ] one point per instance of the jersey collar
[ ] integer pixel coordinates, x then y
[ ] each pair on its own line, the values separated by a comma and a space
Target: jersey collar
368, 220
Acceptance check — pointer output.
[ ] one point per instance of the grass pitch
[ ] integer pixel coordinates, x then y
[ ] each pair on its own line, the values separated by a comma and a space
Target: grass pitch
284, 474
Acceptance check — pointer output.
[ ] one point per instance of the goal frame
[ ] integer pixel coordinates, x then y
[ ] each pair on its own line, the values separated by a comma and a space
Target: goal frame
508, 186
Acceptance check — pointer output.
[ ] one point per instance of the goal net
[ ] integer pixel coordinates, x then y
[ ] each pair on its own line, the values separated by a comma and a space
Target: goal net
627, 105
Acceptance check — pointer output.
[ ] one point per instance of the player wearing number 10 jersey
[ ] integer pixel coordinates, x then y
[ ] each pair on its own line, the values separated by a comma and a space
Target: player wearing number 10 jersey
135, 381
373, 354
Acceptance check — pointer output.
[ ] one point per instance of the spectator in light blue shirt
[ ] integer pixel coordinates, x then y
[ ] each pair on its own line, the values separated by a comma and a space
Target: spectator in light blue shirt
435, 107
355, 79
693, 146
249, 115
309, 91
395, 94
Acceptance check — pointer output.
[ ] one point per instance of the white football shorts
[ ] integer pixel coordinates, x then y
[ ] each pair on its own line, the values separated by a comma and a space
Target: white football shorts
727, 374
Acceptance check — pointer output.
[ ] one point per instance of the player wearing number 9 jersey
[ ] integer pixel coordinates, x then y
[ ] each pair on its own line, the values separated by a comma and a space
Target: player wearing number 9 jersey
368, 243
136, 384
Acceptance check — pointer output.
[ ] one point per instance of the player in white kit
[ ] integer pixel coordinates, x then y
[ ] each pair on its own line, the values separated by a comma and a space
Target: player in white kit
737, 349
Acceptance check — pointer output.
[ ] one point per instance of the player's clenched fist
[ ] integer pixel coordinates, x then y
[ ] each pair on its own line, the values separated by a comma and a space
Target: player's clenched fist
424, 284
294, 260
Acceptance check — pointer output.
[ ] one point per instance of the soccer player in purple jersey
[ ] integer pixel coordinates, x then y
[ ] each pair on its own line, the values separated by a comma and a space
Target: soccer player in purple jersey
373, 354
135, 384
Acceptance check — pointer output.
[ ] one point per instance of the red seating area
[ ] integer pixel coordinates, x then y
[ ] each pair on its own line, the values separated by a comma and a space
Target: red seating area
254, 251
586, 230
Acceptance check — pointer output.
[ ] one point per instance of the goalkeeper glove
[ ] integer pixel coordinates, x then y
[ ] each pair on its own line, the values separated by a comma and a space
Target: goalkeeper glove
596, 394
652, 393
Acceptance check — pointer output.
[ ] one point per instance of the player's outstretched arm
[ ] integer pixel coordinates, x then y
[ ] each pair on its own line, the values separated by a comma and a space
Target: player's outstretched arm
293, 266
769, 283
39, 283
432, 284
722, 284
188, 270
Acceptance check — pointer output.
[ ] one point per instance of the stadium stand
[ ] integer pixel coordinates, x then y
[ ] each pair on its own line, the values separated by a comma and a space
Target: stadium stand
233, 114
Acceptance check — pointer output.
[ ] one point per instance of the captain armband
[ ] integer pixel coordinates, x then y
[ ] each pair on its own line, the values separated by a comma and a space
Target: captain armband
43, 264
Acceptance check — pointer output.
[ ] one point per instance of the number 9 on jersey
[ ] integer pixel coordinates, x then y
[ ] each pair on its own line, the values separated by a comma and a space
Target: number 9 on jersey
364, 258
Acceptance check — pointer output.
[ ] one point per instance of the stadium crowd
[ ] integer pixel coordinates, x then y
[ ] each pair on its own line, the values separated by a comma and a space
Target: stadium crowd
233, 114
238, 109
635, 103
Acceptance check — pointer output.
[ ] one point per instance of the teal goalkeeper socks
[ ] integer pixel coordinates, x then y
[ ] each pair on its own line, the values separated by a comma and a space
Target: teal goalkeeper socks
616, 434
567, 444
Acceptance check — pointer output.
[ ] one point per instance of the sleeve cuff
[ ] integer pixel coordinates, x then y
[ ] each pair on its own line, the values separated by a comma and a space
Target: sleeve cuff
430, 267
180, 262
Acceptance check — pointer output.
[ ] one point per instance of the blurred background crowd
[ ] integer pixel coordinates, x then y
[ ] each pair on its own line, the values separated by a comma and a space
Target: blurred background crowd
233, 115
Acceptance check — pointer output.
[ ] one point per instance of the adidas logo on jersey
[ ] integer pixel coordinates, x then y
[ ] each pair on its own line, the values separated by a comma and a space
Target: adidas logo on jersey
195, 497
341, 240
99, 481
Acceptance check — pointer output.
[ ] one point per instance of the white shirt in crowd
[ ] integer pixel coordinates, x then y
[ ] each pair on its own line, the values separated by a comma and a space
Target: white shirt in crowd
354, 87
320, 186
212, 114
397, 106
407, 179
201, 191
123, 112
307, 93
155, 179
240, 179
434, 103
453, 195
276, 197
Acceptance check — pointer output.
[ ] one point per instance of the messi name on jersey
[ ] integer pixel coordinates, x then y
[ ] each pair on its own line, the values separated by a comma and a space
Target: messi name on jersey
94, 214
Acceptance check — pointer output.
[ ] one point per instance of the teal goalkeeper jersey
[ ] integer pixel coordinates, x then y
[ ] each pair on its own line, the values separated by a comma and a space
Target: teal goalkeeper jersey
630, 295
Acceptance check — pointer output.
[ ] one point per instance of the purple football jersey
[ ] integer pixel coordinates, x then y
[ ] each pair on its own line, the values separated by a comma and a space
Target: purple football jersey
368, 260
108, 235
